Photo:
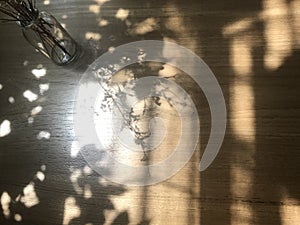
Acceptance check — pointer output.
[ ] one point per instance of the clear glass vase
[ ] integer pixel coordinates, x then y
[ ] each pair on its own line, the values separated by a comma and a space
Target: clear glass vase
48, 36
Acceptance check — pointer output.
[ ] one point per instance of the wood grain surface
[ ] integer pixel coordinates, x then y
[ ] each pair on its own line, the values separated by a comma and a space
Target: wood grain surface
252, 47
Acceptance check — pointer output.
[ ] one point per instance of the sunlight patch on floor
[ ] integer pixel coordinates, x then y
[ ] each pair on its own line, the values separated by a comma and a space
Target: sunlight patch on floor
177, 25
36, 110
5, 202
295, 8
277, 33
18, 217
43, 135
167, 202
122, 14
75, 148
242, 117
71, 210
40, 176
241, 213
39, 72
281, 21
242, 96
290, 211
144, 27
11, 100
240, 188
29, 198
168, 71
238, 26
87, 192
44, 88
30, 96
46, 2
75, 176
101, 2
103, 22
130, 201
92, 35
5, 128
94, 9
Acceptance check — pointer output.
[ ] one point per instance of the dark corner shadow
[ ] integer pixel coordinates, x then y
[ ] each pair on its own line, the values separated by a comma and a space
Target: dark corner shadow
277, 140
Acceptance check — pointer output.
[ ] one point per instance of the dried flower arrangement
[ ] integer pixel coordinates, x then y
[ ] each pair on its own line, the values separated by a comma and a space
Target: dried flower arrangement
19, 10
40, 29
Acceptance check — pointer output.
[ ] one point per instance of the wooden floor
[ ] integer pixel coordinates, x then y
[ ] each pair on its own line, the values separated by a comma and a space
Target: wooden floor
252, 47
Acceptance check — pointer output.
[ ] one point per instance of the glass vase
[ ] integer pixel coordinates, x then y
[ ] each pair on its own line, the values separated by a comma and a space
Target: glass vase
49, 37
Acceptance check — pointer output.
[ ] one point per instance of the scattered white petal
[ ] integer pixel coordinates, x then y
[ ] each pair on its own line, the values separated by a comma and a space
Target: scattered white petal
25, 63
30, 120
64, 16
36, 110
30, 198
5, 128
43, 168
91, 35
64, 25
43, 88
11, 100
75, 149
40, 72
5, 202
30, 95
122, 14
1, 86
40, 175
43, 135
18, 217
